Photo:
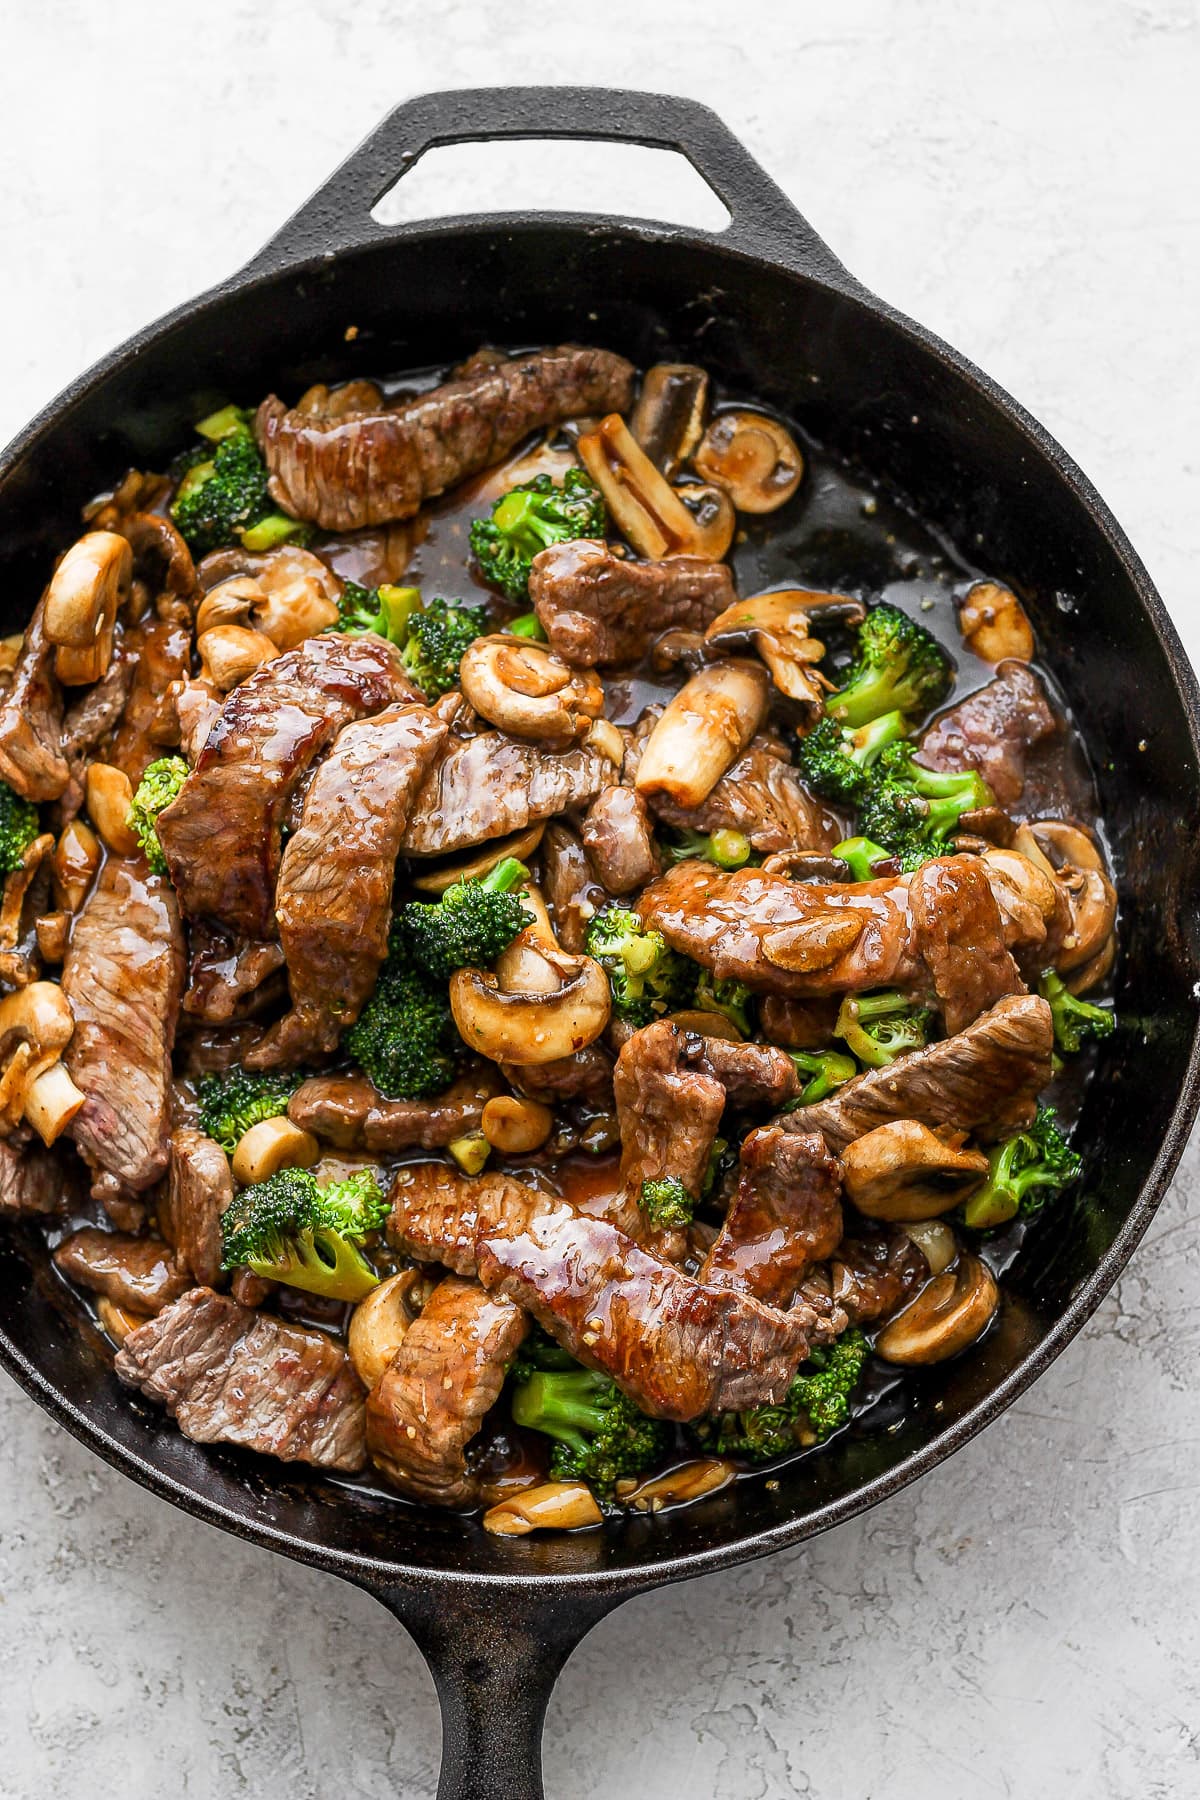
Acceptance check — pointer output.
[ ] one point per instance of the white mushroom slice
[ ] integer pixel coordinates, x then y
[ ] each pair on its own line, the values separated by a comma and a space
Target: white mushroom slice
288, 594
776, 624
86, 590
536, 1023
1093, 903
1097, 970
993, 624
644, 506
76, 859
935, 1240
668, 419
551, 1506
1026, 895
690, 1481
714, 519
703, 731
379, 1323
229, 655
1062, 842
271, 1145
902, 1171
523, 688
948, 1315
754, 458
109, 798
36, 1024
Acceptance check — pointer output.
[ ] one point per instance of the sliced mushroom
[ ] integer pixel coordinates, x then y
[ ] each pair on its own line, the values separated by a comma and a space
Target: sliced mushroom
551, 1506
516, 1126
229, 654
668, 419
36, 1024
14, 921
271, 1145
1097, 970
948, 1315
643, 504
86, 590
76, 859
109, 798
288, 594
714, 519
480, 862
523, 688
1028, 898
1092, 900
703, 731
538, 1004
1061, 842
902, 1171
993, 624
776, 624
379, 1323
754, 458
935, 1240
690, 1481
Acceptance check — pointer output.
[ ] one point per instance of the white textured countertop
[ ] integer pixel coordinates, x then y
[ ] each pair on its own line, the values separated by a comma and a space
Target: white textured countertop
1024, 1621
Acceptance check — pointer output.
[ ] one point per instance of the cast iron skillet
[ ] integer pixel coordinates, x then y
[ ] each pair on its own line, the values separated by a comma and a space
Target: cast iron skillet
767, 308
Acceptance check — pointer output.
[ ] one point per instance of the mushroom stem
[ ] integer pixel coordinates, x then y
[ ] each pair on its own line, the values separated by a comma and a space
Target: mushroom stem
51, 1102
703, 731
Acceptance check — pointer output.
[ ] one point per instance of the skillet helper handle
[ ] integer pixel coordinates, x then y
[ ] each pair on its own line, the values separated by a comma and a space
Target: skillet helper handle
763, 220
495, 1652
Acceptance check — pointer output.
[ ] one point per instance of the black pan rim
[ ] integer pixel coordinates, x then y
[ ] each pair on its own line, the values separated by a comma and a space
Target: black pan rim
615, 1584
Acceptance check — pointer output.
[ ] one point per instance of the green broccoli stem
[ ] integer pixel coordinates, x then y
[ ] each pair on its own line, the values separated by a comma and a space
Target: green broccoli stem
562, 1404
826, 1070
860, 854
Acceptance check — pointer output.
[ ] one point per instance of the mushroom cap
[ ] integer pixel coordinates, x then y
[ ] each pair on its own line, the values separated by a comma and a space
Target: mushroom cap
753, 457
903, 1172
948, 1315
524, 689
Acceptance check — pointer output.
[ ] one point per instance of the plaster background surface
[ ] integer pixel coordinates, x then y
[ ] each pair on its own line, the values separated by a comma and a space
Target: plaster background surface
1025, 1620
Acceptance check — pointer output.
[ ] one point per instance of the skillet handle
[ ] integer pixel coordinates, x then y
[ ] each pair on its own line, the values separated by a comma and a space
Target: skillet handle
495, 1652
763, 220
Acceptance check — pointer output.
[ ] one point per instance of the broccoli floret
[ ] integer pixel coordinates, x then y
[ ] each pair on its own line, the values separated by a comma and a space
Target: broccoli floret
666, 1203
155, 791
386, 610
599, 1435
1024, 1172
912, 810
834, 760
900, 667
727, 849
288, 1229
826, 1070
232, 1100
470, 925
1074, 1020
530, 517
438, 634
224, 498
18, 828
861, 857
647, 978
816, 1405
405, 1037
880, 1027
730, 999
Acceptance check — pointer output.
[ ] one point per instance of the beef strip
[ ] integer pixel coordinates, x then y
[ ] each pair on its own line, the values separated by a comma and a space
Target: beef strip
785, 937
123, 976
31, 720
490, 785
764, 798
434, 1395
97, 709
993, 731
349, 1111
597, 607
617, 835
229, 982
221, 834
161, 558
200, 1188
230, 1375
959, 936
334, 898
345, 468
150, 725
587, 1076
799, 1024
572, 893
985, 1079
678, 1348
136, 1272
34, 1180
785, 1215
671, 1087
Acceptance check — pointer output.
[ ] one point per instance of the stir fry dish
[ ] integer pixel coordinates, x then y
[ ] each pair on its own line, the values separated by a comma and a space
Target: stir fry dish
551, 938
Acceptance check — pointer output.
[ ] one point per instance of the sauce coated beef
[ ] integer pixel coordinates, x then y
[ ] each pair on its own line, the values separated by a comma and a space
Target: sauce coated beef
663, 981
